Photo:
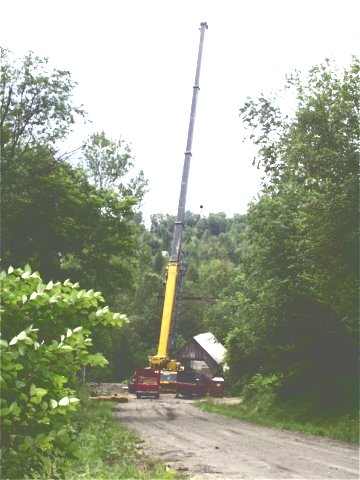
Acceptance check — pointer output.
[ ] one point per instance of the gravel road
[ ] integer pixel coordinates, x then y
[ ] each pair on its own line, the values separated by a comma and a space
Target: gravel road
209, 446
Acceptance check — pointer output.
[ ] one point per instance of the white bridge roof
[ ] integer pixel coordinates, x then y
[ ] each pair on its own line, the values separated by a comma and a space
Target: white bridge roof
212, 346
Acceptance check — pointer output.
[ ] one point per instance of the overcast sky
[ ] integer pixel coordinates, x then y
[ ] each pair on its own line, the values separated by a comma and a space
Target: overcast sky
135, 65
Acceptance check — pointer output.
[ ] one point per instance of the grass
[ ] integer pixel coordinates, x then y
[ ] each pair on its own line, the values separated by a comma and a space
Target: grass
292, 416
107, 450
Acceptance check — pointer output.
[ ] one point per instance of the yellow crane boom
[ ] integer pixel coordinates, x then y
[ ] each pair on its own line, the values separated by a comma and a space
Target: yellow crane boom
161, 359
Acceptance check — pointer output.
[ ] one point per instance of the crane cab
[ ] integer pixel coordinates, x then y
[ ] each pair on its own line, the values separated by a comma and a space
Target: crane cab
168, 379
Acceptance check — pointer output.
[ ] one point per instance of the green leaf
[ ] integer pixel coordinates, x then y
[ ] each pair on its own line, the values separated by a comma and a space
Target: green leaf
64, 402
37, 392
66, 348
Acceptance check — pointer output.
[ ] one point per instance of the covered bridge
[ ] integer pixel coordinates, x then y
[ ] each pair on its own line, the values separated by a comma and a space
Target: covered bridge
204, 353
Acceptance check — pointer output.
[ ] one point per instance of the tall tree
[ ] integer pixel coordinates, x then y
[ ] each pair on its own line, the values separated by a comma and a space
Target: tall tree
299, 300
51, 215
58, 217
109, 163
37, 105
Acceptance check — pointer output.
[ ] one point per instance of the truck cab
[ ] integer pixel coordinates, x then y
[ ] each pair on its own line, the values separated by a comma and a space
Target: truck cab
146, 382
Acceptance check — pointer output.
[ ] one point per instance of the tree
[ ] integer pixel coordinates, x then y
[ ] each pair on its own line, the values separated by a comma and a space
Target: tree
55, 216
299, 268
36, 104
51, 215
108, 163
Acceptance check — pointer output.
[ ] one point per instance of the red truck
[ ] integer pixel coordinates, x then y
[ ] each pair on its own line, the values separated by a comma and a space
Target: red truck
145, 383
216, 387
190, 384
195, 384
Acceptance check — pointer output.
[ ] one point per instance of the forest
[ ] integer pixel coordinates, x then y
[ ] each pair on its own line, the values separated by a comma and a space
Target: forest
83, 277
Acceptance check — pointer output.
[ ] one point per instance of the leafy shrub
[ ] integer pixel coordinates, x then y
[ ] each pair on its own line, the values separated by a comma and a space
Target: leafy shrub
261, 391
107, 450
45, 343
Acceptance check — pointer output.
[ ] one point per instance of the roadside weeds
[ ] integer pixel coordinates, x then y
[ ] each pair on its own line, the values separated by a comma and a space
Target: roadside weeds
107, 450
344, 427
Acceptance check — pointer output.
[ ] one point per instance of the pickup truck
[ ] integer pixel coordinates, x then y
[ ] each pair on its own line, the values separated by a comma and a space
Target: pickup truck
190, 384
145, 383
195, 384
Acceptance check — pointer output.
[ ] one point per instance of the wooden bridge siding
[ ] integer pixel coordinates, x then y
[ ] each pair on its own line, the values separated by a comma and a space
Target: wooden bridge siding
193, 351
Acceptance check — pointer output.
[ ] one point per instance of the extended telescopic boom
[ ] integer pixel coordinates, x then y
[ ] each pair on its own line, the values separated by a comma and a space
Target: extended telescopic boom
162, 359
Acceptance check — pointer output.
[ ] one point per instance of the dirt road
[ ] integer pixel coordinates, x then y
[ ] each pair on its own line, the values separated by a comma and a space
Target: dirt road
209, 446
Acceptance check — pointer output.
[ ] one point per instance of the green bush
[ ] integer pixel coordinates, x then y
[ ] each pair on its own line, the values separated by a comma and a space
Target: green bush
263, 402
107, 450
44, 346
261, 390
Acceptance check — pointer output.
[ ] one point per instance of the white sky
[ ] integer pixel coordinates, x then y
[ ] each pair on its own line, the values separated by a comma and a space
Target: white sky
135, 62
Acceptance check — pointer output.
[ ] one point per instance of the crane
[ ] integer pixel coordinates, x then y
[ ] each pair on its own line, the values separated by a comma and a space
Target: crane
162, 359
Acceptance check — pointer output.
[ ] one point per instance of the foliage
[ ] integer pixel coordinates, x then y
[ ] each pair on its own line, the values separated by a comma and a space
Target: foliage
105, 449
45, 344
52, 216
298, 312
36, 104
291, 415
262, 390
108, 163
309, 204
278, 285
